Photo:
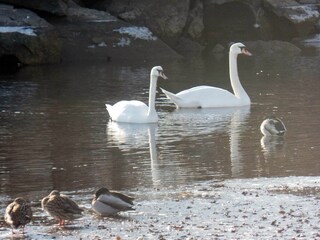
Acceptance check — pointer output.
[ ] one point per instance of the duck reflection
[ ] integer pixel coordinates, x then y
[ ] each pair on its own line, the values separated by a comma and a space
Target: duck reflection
272, 145
136, 136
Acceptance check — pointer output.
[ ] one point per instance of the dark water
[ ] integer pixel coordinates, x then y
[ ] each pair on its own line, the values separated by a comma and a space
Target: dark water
55, 132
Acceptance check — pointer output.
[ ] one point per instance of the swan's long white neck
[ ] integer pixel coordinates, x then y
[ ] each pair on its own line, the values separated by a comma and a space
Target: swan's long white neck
234, 78
152, 95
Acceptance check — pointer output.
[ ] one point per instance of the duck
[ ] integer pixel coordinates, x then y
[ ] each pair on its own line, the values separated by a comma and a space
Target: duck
18, 213
107, 203
61, 207
211, 97
272, 126
135, 111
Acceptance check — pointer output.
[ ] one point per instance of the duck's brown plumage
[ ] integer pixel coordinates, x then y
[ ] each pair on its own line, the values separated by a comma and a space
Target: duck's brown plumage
61, 207
18, 213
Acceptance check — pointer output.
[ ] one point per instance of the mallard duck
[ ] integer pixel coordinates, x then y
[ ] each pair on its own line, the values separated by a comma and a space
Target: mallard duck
61, 207
18, 213
273, 126
107, 203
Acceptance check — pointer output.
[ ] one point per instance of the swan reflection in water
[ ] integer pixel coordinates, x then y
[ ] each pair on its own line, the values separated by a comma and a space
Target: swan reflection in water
205, 124
129, 136
236, 127
182, 125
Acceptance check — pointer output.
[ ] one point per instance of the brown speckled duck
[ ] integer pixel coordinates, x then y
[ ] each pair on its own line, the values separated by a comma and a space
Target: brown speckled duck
60, 207
18, 213
106, 203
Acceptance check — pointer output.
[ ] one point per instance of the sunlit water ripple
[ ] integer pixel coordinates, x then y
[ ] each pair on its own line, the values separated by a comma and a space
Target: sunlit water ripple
55, 131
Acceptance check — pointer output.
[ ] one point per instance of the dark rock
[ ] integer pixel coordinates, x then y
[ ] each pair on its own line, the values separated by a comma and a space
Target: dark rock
227, 21
218, 49
57, 7
166, 19
188, 48
291, 19
272, 47
92, 35
195, 24
80, 14
27, 37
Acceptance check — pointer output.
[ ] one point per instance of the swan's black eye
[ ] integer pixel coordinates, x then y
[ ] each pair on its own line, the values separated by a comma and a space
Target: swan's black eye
160, 71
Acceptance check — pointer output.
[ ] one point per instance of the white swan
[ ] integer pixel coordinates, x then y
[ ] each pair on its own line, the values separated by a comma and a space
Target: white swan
272, 126
135, 111
207, 96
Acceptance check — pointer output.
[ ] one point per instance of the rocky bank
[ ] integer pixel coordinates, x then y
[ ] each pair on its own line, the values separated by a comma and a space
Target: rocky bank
38, 32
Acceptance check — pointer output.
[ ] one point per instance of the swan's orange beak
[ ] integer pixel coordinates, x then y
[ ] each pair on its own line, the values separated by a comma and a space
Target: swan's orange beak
163, 76
246, 52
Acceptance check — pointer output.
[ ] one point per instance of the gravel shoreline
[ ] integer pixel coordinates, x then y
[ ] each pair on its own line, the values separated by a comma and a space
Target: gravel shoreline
260, 208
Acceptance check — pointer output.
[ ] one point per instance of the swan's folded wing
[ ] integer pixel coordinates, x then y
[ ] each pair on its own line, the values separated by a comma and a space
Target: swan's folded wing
170, 95
180, 101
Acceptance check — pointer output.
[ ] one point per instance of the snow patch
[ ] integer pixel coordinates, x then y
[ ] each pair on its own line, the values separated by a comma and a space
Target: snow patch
23, 30
304, 13
314, 41
102, 44
102, 20
137, 32
123, 42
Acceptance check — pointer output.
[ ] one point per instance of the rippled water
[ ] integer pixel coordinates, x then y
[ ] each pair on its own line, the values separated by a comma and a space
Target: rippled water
55, 132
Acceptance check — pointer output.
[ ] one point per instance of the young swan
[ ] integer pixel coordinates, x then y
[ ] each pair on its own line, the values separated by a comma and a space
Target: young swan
136, 111
60, 207
18, 213
272, 126
106, 203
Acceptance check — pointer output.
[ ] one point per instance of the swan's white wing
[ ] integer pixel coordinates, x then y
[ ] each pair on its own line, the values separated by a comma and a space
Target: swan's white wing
208, 96
181, 102
128, 111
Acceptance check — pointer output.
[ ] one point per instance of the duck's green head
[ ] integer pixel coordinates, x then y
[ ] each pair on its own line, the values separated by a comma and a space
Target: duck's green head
101, 191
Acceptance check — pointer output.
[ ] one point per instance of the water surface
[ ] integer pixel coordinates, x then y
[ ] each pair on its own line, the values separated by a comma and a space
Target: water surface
55, 132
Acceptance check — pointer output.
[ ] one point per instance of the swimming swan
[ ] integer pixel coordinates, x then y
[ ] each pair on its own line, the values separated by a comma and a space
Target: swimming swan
207, 96
136, 111
272, 126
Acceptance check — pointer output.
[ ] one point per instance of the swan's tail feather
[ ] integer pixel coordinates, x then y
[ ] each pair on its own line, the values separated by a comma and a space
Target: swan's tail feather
108, 106
174, 98
109, 109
